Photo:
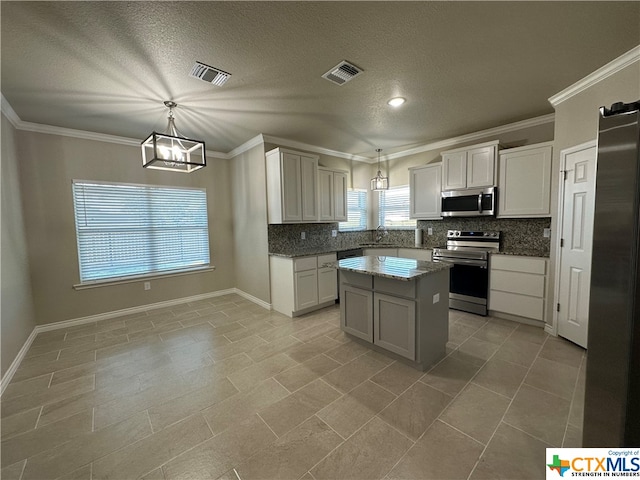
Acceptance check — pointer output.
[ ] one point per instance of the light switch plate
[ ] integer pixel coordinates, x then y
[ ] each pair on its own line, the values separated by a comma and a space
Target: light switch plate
430, 231
303, 235
147, 285
334, 233
436, 298
546, 233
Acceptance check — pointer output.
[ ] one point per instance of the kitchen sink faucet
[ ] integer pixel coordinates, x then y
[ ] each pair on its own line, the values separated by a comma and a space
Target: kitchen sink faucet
381, 232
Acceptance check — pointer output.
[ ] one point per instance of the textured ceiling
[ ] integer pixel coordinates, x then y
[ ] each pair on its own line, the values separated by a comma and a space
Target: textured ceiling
107, 67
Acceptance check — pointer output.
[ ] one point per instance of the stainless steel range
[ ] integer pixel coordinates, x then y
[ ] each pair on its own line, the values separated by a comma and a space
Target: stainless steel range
468, 252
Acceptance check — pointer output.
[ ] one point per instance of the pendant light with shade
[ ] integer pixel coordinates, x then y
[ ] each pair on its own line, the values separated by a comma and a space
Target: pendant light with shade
379, 182
172, 151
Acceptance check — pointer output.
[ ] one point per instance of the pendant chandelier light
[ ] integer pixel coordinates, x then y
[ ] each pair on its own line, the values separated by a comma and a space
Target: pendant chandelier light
379, 182
172, 151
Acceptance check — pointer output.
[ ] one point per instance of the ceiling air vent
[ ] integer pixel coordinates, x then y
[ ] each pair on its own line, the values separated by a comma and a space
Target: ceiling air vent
342, 73
209, 74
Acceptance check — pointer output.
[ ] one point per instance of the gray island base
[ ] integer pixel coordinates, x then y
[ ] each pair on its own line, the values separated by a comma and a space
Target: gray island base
398, 306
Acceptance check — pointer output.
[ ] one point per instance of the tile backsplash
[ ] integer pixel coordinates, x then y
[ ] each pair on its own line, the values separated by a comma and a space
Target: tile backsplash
518, 234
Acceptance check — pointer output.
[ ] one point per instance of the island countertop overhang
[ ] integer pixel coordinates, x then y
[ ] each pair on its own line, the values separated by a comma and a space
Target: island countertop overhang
404, 269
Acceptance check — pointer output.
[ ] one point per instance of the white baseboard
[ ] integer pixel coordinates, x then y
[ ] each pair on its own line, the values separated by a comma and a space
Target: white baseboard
253, 299
6, 379
8, 375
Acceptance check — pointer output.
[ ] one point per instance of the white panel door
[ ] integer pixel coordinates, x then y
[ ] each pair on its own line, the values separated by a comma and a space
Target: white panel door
481, 167
327, 284
325, 201
577, 235
306, 289
425, 187
291, 188
454, 170
340, 196
309, 188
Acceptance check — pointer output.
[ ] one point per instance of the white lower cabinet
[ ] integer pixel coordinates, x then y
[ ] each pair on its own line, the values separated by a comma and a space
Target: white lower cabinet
327, 283
518, 286
302, 284
306, 289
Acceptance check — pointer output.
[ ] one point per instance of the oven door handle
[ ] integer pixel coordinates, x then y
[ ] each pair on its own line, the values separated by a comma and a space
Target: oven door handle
461, 261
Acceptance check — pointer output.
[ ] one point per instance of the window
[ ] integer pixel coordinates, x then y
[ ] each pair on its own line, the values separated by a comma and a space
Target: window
356, 211
393, 208
125, 230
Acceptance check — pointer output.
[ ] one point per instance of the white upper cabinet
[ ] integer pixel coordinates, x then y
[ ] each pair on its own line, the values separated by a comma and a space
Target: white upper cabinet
424, 191
525, 181
481, 166
340, 195
332, 202
292, 186
454, 170
470, 167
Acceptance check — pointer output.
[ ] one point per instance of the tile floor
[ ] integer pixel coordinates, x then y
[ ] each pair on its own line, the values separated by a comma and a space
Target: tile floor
224, 389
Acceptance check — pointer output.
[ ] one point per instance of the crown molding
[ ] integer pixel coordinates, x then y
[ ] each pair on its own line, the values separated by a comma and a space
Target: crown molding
9, 112
472, 137
15, 120
609, 69
248, 145
262, 139
315, 149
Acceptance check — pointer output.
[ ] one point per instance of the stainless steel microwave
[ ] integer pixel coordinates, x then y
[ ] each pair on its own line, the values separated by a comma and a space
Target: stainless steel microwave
470, 202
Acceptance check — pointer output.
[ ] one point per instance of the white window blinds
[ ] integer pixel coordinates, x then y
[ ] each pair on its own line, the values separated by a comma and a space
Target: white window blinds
393, 208
124, 230
356, 211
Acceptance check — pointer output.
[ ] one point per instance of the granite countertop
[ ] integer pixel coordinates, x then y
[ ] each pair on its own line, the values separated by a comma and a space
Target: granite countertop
304, 252
391, 267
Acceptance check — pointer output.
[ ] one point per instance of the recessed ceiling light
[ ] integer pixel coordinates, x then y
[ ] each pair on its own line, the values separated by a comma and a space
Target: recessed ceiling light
397, 101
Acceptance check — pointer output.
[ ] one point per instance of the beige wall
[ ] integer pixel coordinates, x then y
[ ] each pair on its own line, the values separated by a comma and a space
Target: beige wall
48, 164
17, 316
251, 247
577, 123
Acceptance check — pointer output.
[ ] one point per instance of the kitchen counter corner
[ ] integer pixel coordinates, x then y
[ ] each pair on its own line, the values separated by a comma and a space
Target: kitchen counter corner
404, 269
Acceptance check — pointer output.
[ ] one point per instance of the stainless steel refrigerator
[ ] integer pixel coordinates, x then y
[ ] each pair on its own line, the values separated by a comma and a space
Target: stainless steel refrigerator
612, 389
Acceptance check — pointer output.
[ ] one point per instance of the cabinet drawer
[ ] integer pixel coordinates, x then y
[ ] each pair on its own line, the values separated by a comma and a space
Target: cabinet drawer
522, 305
328, 258
356, 279
395, 287
516, 282
305, 263
519, 264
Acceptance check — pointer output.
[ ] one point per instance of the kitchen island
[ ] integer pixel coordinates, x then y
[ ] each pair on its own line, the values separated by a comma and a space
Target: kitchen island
399, 306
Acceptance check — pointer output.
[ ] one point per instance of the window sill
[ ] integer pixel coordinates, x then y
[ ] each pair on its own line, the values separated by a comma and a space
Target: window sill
138, 278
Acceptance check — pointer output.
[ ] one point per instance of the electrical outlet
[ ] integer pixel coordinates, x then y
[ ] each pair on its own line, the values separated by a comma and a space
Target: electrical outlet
429, 230
303, 235
546, 233
147, 285
334, 233
436, 298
